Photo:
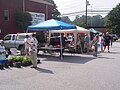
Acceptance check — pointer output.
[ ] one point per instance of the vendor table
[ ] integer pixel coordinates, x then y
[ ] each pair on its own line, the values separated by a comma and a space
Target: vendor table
51, 49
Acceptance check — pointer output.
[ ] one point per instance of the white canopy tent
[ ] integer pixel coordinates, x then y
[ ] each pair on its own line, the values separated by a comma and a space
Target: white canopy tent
74, 31
78, 30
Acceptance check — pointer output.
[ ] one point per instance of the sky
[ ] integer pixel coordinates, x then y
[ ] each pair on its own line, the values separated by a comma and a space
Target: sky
71, 6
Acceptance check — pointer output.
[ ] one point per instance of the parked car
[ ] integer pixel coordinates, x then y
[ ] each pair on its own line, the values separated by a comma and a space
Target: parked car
115, 37
17, 41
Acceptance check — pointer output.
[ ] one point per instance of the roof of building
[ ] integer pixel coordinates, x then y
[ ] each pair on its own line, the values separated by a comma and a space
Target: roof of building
42, 1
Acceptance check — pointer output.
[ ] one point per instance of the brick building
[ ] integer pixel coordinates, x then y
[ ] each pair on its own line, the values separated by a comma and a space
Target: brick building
9, 7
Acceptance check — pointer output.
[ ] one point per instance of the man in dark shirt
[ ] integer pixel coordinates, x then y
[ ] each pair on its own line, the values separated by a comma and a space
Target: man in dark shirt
107, 39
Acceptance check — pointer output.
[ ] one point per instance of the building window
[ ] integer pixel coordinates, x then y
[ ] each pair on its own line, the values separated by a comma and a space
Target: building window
6, 15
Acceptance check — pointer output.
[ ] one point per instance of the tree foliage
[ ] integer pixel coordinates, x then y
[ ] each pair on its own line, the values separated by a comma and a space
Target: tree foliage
79, 21
23, 19
96, 20
114, 19
66, 19
55, 12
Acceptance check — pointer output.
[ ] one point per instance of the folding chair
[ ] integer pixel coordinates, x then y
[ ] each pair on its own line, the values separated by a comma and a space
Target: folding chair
15, 52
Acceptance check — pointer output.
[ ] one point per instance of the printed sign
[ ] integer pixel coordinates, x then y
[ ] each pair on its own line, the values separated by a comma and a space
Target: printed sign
37, 17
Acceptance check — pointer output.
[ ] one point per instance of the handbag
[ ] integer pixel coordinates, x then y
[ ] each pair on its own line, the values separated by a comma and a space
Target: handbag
93, 47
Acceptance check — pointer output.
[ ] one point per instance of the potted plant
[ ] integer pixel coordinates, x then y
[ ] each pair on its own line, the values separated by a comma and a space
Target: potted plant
18, 60
10, 61
26, 61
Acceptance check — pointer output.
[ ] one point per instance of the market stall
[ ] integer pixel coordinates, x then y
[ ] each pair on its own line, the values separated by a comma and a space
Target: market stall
52, 24
75, 32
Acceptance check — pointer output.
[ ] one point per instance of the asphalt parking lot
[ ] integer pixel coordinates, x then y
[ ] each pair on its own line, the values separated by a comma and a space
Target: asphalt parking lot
76, 72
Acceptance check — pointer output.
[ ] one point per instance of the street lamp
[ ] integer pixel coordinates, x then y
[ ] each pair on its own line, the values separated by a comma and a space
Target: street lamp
87, 4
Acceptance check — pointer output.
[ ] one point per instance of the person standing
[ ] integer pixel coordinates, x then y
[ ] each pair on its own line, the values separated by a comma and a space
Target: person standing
27, 45
33, 51
101, 41
107, 39
2, 51
86, 43
95, 44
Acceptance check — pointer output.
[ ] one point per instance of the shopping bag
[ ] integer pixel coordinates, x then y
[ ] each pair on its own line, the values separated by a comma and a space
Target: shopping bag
93, 48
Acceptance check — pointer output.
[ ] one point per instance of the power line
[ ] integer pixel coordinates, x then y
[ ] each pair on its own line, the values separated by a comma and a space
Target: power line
73, 13
84, 14
84, 11
72, 7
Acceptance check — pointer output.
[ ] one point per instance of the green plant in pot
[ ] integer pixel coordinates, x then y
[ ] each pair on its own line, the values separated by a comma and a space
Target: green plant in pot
11, 61
21, 58
26, 61
18, 60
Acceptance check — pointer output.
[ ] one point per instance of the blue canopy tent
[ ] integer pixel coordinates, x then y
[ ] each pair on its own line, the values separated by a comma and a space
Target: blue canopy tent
51, 24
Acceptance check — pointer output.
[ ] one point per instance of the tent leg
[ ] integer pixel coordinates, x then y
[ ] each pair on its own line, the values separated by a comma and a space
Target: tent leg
61, 47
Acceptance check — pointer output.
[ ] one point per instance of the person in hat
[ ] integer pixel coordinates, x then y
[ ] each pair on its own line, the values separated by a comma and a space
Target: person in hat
33, 50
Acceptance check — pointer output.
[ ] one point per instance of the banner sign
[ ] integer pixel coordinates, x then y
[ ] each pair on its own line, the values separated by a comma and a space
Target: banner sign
37, 17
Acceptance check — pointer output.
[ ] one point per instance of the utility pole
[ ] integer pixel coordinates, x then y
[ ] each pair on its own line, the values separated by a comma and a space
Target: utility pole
87, 3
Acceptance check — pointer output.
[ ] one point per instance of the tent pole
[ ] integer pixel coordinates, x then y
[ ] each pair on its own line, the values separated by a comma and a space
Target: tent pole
61, 47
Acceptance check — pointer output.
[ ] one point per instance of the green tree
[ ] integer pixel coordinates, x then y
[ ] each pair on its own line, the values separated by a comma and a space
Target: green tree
114, 20
96, 20
55, 12
66, 19
23, 19
79, 21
